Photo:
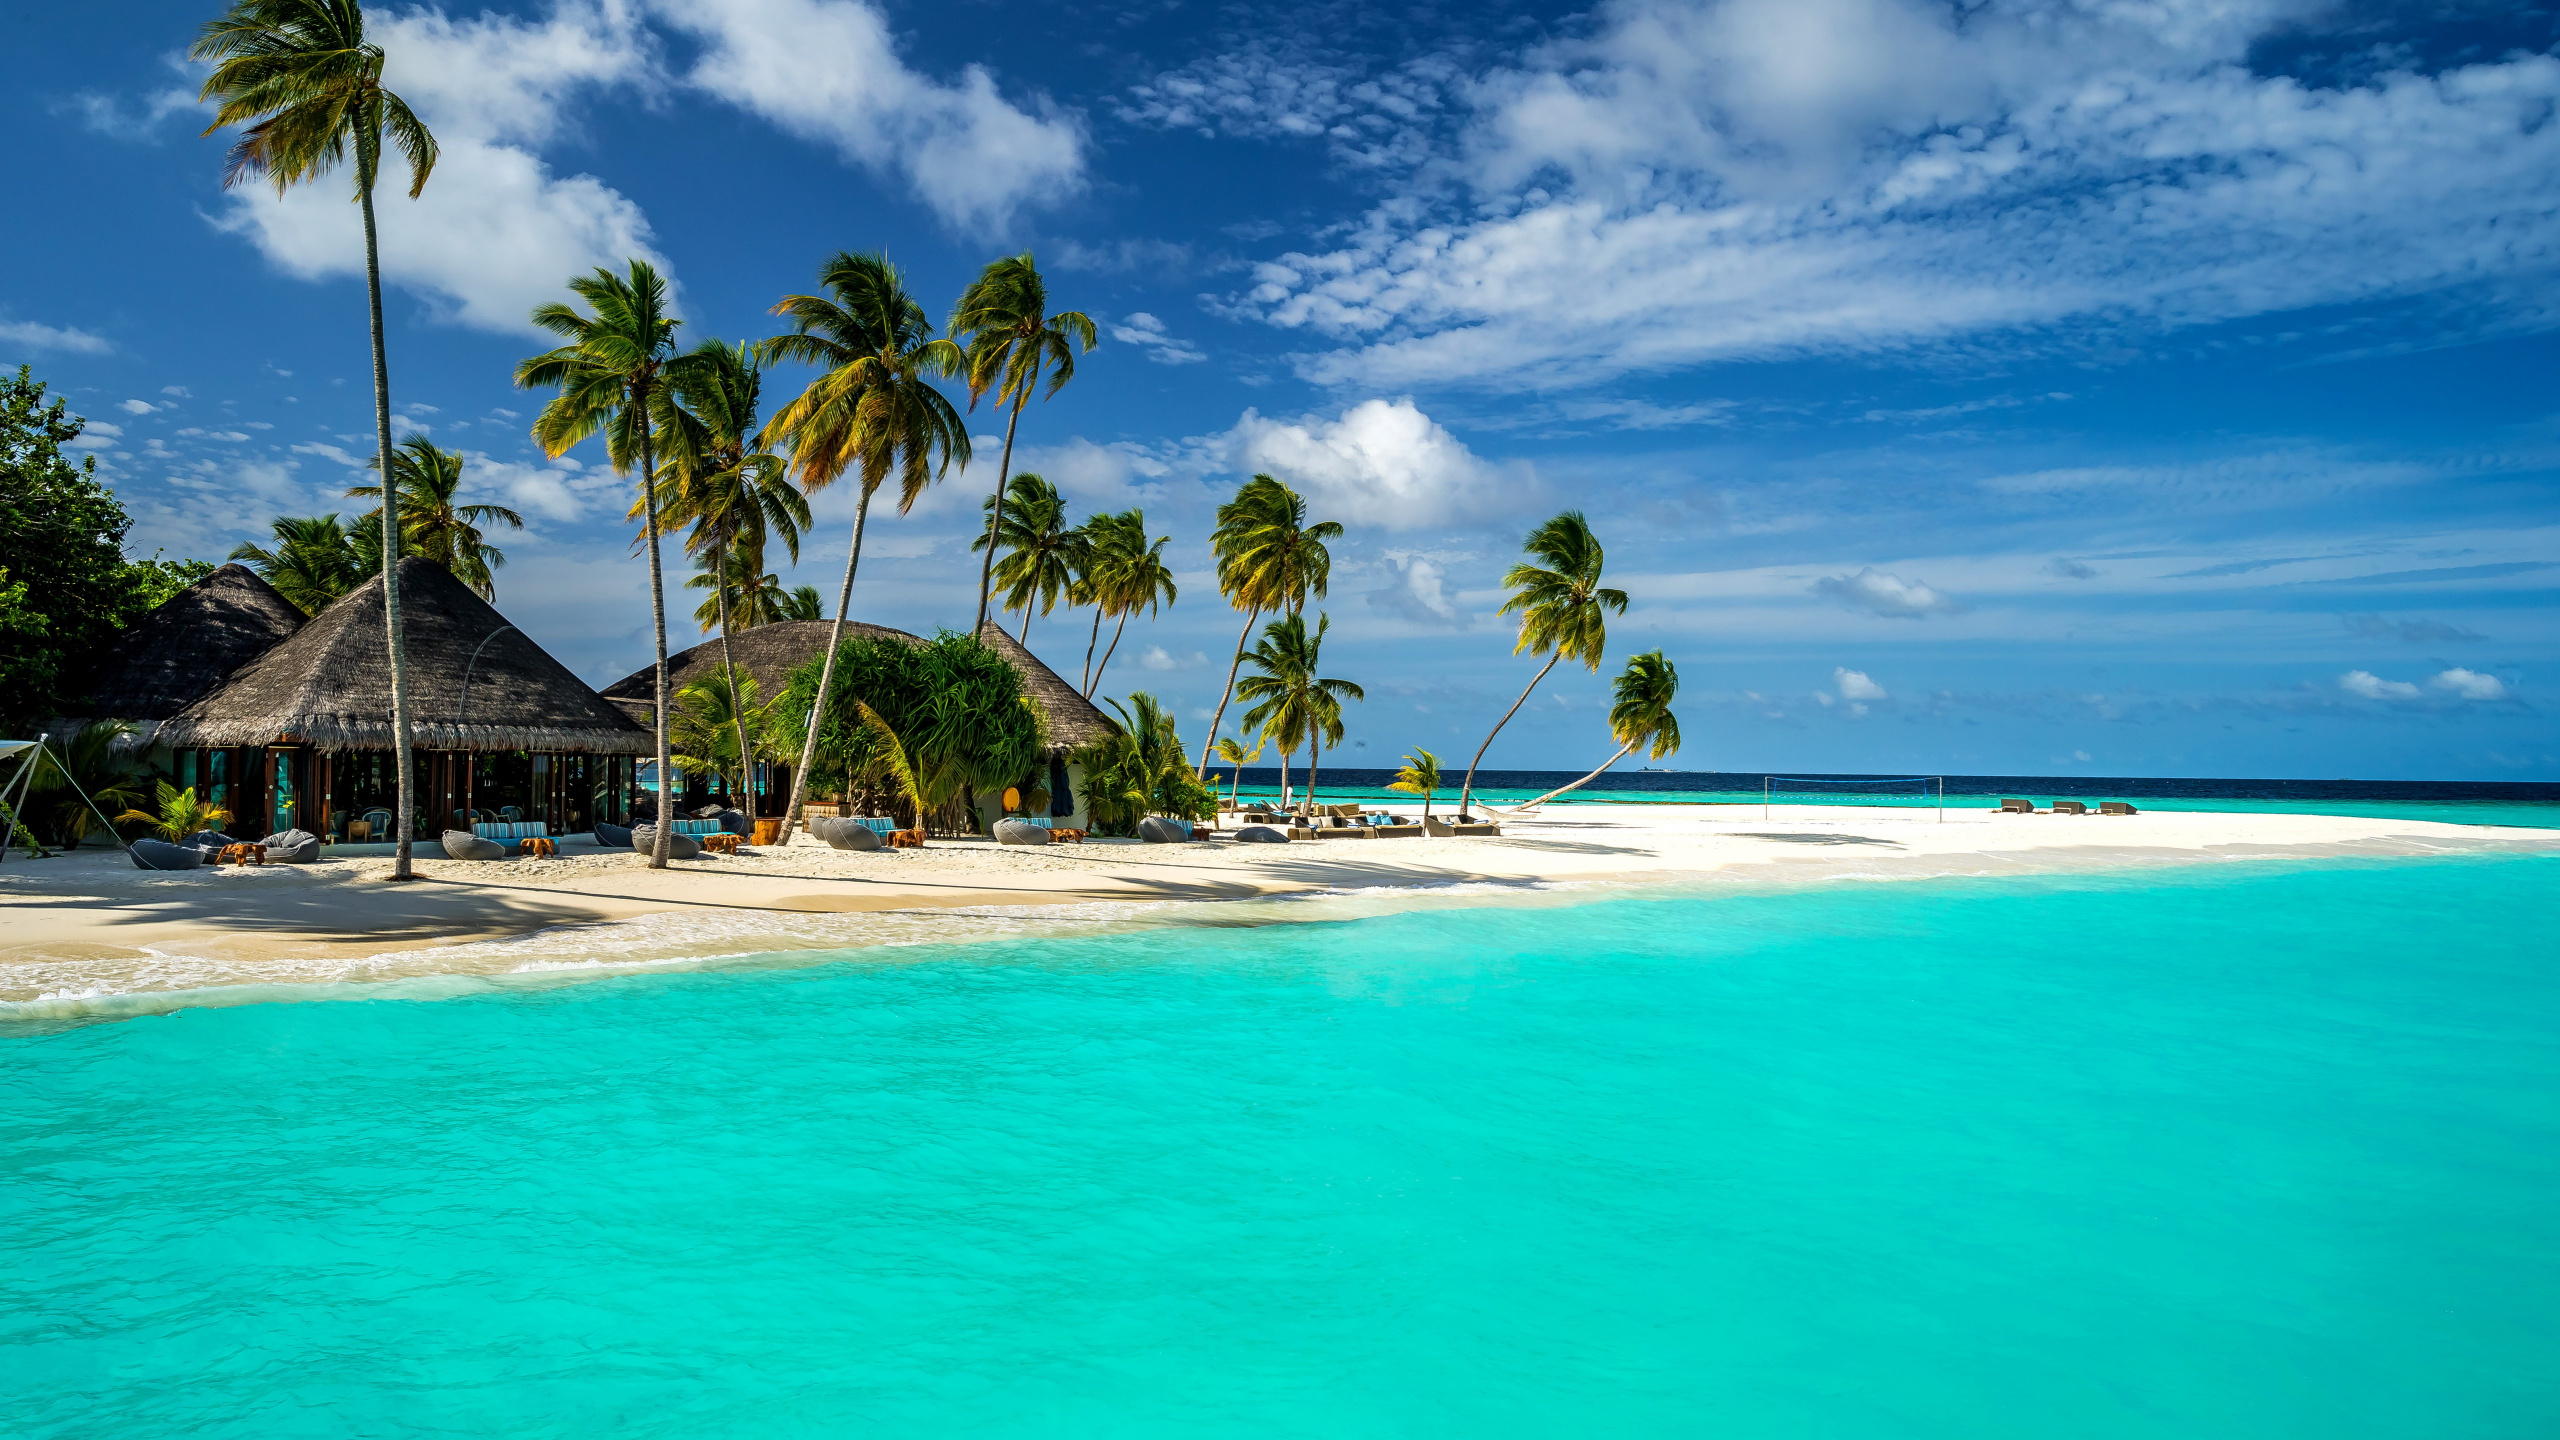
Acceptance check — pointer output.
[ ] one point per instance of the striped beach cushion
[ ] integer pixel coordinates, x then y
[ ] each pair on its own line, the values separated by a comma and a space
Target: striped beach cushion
511, 829
698, 827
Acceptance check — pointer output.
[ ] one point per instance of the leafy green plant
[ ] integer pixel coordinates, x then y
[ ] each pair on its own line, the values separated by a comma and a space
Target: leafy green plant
953, 712
179, 812
110, 776
1140, 770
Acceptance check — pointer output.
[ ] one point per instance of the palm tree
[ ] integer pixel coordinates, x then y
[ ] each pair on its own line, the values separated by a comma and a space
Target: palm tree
1293, 704
432, 527
800, 602
177, 813
313, 563
719, 480
1231, 749
1420, 776
1269, 558
755, 595
610, 376
872, 406
1040, 548
1013, 342
718, 719
300, 75
1641, 713
1124, 574
1561, 606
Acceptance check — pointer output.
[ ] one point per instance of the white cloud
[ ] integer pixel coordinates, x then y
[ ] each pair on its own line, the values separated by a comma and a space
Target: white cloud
51, 337
1854, 684
2374, 687
327, 451
136, 407
1161, 346
1753, 178
1382, 462
829, 71
496, 232
2471, 684
106, 114
1099, 476
1420, 589
1156, 657
1890, 596
181, 391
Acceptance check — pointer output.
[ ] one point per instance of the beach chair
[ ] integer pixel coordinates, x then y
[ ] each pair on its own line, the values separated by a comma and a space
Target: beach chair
2017, 807
2116, 807
2069, 807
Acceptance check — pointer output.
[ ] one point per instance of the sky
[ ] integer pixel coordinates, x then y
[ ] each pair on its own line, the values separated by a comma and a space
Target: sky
2114, 387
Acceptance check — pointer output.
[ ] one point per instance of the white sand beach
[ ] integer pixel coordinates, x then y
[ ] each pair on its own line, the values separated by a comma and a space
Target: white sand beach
89, 925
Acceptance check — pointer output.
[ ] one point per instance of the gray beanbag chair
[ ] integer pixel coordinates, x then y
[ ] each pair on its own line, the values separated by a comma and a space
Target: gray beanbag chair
612, 837
292, 847
161, 855
463, 845
679, 847
1262, 835
736, 822
1010, 831
844, 832
209, 840
1156, 830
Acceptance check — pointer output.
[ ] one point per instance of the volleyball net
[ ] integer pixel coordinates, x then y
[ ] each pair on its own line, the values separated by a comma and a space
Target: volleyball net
1906, 791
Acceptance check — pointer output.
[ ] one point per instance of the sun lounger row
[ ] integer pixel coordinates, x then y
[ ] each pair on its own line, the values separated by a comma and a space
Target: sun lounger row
2066, 807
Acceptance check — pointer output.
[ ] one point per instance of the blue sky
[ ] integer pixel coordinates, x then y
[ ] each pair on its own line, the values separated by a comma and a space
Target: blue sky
2159, 388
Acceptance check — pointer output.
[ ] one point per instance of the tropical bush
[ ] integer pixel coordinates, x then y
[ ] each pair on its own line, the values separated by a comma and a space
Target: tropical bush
1139, 770
110, 776
179, 813
951, 713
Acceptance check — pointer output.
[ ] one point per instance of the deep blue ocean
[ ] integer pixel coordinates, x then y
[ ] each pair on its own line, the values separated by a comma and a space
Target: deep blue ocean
2255, 1149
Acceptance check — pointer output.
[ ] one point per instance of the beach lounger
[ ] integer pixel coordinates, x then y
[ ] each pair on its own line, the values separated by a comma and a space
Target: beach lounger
2017, 807
2069, 807
1394, 832
2116, 807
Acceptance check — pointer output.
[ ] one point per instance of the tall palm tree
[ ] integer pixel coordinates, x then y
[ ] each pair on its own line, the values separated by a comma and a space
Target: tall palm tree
301, 76
611, 376
1420, 776
1562, 608
1040, 547
873, 406
1231, 749
1013, 343
1640, 713
313, 563
1292, 704
432, 527
1269, 558
719, 480
1124, 574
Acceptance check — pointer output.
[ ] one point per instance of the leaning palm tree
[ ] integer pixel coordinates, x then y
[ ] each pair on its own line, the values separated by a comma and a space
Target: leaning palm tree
718, 480
610, 377
1040, 547
312, 563
426, 480
308, 87
1124, 574
1013, 343
1292, 704
873, 406
1269, 558
1640, 714
1562, 608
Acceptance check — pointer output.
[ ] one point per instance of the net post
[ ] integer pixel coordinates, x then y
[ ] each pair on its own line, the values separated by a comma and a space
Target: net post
1764, 797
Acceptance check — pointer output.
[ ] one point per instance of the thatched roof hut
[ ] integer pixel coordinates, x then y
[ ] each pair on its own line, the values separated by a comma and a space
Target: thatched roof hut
329, 686
769, 653
188, 644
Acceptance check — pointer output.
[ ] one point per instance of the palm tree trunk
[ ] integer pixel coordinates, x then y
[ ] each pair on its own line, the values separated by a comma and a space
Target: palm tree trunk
1315, 758
663, 842
1090, 642
995, 524
729, 662
394, 632
1116, 632
1578, 784
1249, 617
826, 671
1466, 791
1284, 780
1026, 627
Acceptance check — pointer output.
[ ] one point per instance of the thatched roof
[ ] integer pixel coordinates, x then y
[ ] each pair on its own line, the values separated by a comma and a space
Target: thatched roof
330, 685
187, 645
770, 653
1072, 719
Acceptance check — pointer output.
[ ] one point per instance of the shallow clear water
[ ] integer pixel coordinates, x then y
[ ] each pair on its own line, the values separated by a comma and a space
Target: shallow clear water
2251, 1151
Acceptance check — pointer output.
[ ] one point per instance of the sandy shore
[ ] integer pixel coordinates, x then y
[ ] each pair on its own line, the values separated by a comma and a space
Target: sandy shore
88, 925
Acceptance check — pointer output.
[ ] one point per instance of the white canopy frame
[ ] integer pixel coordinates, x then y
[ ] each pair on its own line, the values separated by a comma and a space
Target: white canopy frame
30, 754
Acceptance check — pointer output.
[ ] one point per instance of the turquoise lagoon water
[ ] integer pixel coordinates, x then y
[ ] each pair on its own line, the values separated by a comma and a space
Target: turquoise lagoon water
2232, 1151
